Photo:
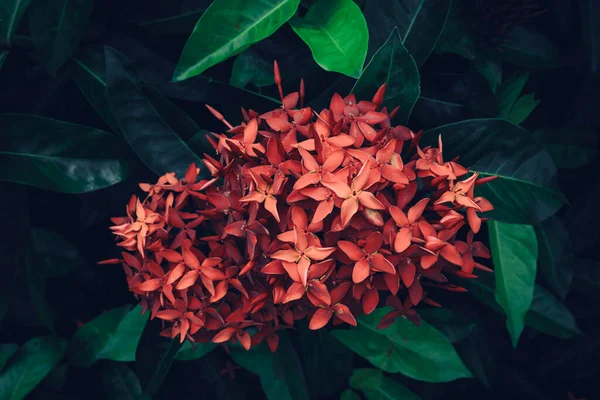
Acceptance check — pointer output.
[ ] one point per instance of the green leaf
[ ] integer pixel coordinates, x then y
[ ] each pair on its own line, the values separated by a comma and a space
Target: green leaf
11, 12
455, 38
336, 32
522, 108
528, 48
54, 254
153, 357
280, 374
228, 27
90, 76
556, 255
26, 369
420, 24
394, 66
327, 362
114, 335
526, 190
514, 251
546, 314
590, 29
509, 92
444, 320
166, 18
7, 350
491, 70
419, 352
249, 67
120, 382
570, 151
3, 57
587, 275
189, 352
56, 27
58, 155
142, 125
376, 386
349, 394
215, 384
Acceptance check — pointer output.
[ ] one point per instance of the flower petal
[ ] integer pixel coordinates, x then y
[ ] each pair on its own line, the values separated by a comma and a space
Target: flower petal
319, 319
361, 271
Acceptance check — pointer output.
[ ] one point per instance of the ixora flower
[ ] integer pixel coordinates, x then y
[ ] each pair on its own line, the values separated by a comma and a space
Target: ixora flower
319, 215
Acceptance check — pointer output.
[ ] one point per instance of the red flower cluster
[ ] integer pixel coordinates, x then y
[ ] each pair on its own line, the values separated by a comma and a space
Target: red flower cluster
307, 215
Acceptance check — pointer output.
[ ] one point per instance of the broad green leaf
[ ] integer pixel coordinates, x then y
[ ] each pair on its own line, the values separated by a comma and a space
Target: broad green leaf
522, 108
491, 70
153, 357
7, 350
556, 255
57, 378
114, 335
514, 251
376, 386
155, 142
327, 362
590, 29
189, 352
11, 12
349, 394
90, 77
60, 156
394, 66
528, 48
120, 382
455, 38
420, 24
525, 190
175, 17
3, 57
249, 67
336, 32
280, 373
26, 369
454, 327
509, 91
419, 352
570, 151
56, 27
228, 27
546, 314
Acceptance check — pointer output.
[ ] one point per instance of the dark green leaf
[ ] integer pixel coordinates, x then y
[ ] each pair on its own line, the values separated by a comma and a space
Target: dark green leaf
34, 273
90, 77
7, 350
419, 352
249, 67
58, 155
522, 108
54, 254
491, 70
455, 38
11, 12
376, 386
546, 314
142, 125
529, 49
587, 275
228, 27
570, 147
280, 374
26, 369
556, 255
392, 65
479, 355
514, 251
509, 92
120, 382
166, 18
337, 34
114, 335
57, 378
216, 384
3, 57
420, 24
349, 394
189, 352
590, 28
327, 362
153, 357
56, 27
526, 190
452, 326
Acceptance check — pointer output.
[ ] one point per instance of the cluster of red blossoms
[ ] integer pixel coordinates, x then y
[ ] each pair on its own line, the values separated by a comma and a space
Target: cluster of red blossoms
306, 215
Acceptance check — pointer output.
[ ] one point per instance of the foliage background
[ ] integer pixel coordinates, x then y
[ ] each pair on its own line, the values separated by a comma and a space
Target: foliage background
108, 67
